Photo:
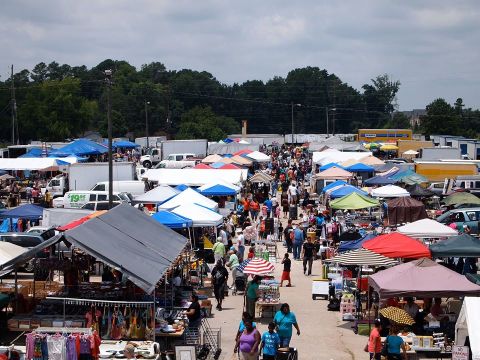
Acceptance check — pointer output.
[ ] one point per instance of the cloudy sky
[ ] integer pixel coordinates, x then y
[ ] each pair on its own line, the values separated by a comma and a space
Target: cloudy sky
431, 46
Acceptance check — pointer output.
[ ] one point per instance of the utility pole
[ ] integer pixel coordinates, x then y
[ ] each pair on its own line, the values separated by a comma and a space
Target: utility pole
108, 81
146, 120
293, 123
14, 109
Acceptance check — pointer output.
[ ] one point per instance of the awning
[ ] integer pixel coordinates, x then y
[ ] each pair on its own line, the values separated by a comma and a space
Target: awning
463, 245
405, 209
395, 245
189, 196
354, 244
417, 191
389, 191
173, 221
258, 156
333, 185
157, 195
329, 165
334, 173
426, 228
379, 180
421, 278
346, 190
362, 257
360, 167
27, 211
195, 177
127, 239
354, 201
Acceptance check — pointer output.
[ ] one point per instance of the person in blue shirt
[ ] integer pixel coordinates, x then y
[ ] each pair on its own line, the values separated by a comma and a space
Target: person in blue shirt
284, 319
394, 345
268, 204
270, 343
298, 240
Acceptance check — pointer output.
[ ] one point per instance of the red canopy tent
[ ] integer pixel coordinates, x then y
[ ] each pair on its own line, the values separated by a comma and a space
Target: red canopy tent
242, 152
80, 221
396, 245
229, 167
202, 166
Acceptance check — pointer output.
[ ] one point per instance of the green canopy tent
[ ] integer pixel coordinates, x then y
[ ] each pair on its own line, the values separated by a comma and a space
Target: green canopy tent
463, 245
461, 198
354, 201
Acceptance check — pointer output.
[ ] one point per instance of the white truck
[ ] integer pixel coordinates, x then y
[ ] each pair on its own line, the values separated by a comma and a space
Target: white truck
196, 148
176, 164
438, 153
153, 141
84, 176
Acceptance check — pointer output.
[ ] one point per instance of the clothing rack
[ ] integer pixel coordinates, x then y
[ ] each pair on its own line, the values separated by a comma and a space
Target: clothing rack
93, 302
63, 330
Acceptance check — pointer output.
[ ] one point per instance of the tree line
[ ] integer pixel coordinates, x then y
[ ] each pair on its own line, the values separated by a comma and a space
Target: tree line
57, 102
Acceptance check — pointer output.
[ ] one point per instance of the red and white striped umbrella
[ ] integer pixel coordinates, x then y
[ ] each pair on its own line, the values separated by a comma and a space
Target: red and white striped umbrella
256, 266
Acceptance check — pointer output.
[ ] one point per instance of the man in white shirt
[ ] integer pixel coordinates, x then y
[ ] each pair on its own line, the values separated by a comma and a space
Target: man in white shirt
224, 236
292, 193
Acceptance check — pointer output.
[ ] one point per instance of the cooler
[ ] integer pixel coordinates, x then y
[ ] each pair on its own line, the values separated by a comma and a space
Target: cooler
320, 288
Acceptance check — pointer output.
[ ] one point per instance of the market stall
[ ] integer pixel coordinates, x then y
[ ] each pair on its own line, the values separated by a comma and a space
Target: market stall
426, 228
467, 326
157, 195
396, 245
354, 201
389, 191
463, 245
189, 196
405, 209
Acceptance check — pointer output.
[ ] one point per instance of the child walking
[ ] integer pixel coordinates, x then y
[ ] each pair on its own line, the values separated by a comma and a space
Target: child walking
270, 343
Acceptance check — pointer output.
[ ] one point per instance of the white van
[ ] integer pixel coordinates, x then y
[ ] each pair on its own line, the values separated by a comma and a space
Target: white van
132, 187
76, 199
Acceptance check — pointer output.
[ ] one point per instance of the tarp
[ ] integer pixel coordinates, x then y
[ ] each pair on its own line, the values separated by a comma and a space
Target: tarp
362, 257
409, 177
9, 251
258, 156
81, 147
333, 185
359, 167
157, 195
426, 228
27, 211
38, 164
463, 197
421, 278
354, 201
405, 209
32, 153
467, 325
463, 245
173, 221
181, 187
334, 173
200, 216
124, 144
129, 240
195, 177
346, 190
354, 244
389, 191
379, 180
418, 191
261, 177
189, 196
396, 245
218, 190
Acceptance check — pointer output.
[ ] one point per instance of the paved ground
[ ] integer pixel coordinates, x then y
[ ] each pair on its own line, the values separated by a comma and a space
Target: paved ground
323, 334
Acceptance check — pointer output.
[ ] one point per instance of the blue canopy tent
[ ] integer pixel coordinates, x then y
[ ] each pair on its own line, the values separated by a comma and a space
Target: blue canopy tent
379, 180
346, 190
217, 165
329, 165
32, 153
354, 244
359, 167
334, 184
81, 147
122, 144
173, 221
27, 211
218, 190
181, 187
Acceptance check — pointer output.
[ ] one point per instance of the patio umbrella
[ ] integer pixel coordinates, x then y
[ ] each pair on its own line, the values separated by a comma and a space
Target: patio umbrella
389, 147
256, 266
397, 315
372, 145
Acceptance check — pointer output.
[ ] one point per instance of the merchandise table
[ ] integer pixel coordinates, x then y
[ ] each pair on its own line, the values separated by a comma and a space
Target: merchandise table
145, 349
166, 339
267, 309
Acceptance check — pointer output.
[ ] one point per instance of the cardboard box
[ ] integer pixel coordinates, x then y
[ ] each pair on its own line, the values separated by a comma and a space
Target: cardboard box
417, 341
427, 341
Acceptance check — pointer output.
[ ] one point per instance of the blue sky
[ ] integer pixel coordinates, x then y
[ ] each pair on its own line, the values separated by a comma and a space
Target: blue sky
430, 46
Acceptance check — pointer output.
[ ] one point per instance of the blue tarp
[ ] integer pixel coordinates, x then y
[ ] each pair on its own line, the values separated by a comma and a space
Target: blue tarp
354, 244
171, 220
379, 180
359, 167
346, 190
32, 153
334, 184
181, 187
81, 147
28, 211
218, 190
122, 144
329, 165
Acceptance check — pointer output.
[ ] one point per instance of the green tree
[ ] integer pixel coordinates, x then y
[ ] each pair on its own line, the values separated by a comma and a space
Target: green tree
398, 121
440, 119
380, 99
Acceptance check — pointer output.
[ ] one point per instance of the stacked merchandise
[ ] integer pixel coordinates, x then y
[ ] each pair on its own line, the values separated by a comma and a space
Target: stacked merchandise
269, 292
347, 306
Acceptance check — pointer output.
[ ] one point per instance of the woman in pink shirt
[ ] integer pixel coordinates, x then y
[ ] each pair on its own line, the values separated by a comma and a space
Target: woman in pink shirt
375, 341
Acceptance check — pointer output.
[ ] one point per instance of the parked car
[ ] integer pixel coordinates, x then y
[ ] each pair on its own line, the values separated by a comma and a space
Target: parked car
437, 188
99, 205
45, 232
463, 216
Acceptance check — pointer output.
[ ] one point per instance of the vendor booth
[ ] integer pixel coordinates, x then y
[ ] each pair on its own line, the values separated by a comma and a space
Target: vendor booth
467, 326
157, 195
405, 209
189, 196
463, 245
354, 201
389, 191
426, 228
395, 245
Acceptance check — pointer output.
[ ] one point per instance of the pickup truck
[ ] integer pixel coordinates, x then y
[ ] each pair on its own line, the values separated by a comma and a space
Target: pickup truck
173, 164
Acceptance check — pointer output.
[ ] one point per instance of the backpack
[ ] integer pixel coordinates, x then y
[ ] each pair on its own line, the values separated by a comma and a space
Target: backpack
292, 235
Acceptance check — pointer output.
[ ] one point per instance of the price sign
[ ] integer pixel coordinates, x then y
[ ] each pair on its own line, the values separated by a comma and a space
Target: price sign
460, 352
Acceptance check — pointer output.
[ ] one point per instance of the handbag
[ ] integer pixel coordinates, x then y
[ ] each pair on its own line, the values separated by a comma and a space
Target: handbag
384, 351
366, 347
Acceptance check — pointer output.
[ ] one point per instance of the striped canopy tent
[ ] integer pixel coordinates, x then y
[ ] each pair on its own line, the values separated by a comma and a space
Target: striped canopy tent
360, 257
256, 266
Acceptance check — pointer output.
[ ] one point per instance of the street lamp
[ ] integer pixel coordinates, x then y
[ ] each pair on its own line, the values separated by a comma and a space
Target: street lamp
146, 120
293, 124
108, 81
327, 109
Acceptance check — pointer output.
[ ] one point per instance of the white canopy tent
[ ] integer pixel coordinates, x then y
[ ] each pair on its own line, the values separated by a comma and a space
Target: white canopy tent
199, 215
467, 325
195, 177
189, 196
9, 251
219, 182
258, 156
325, 157
38, 164
157, 195
390, 191
426, 228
